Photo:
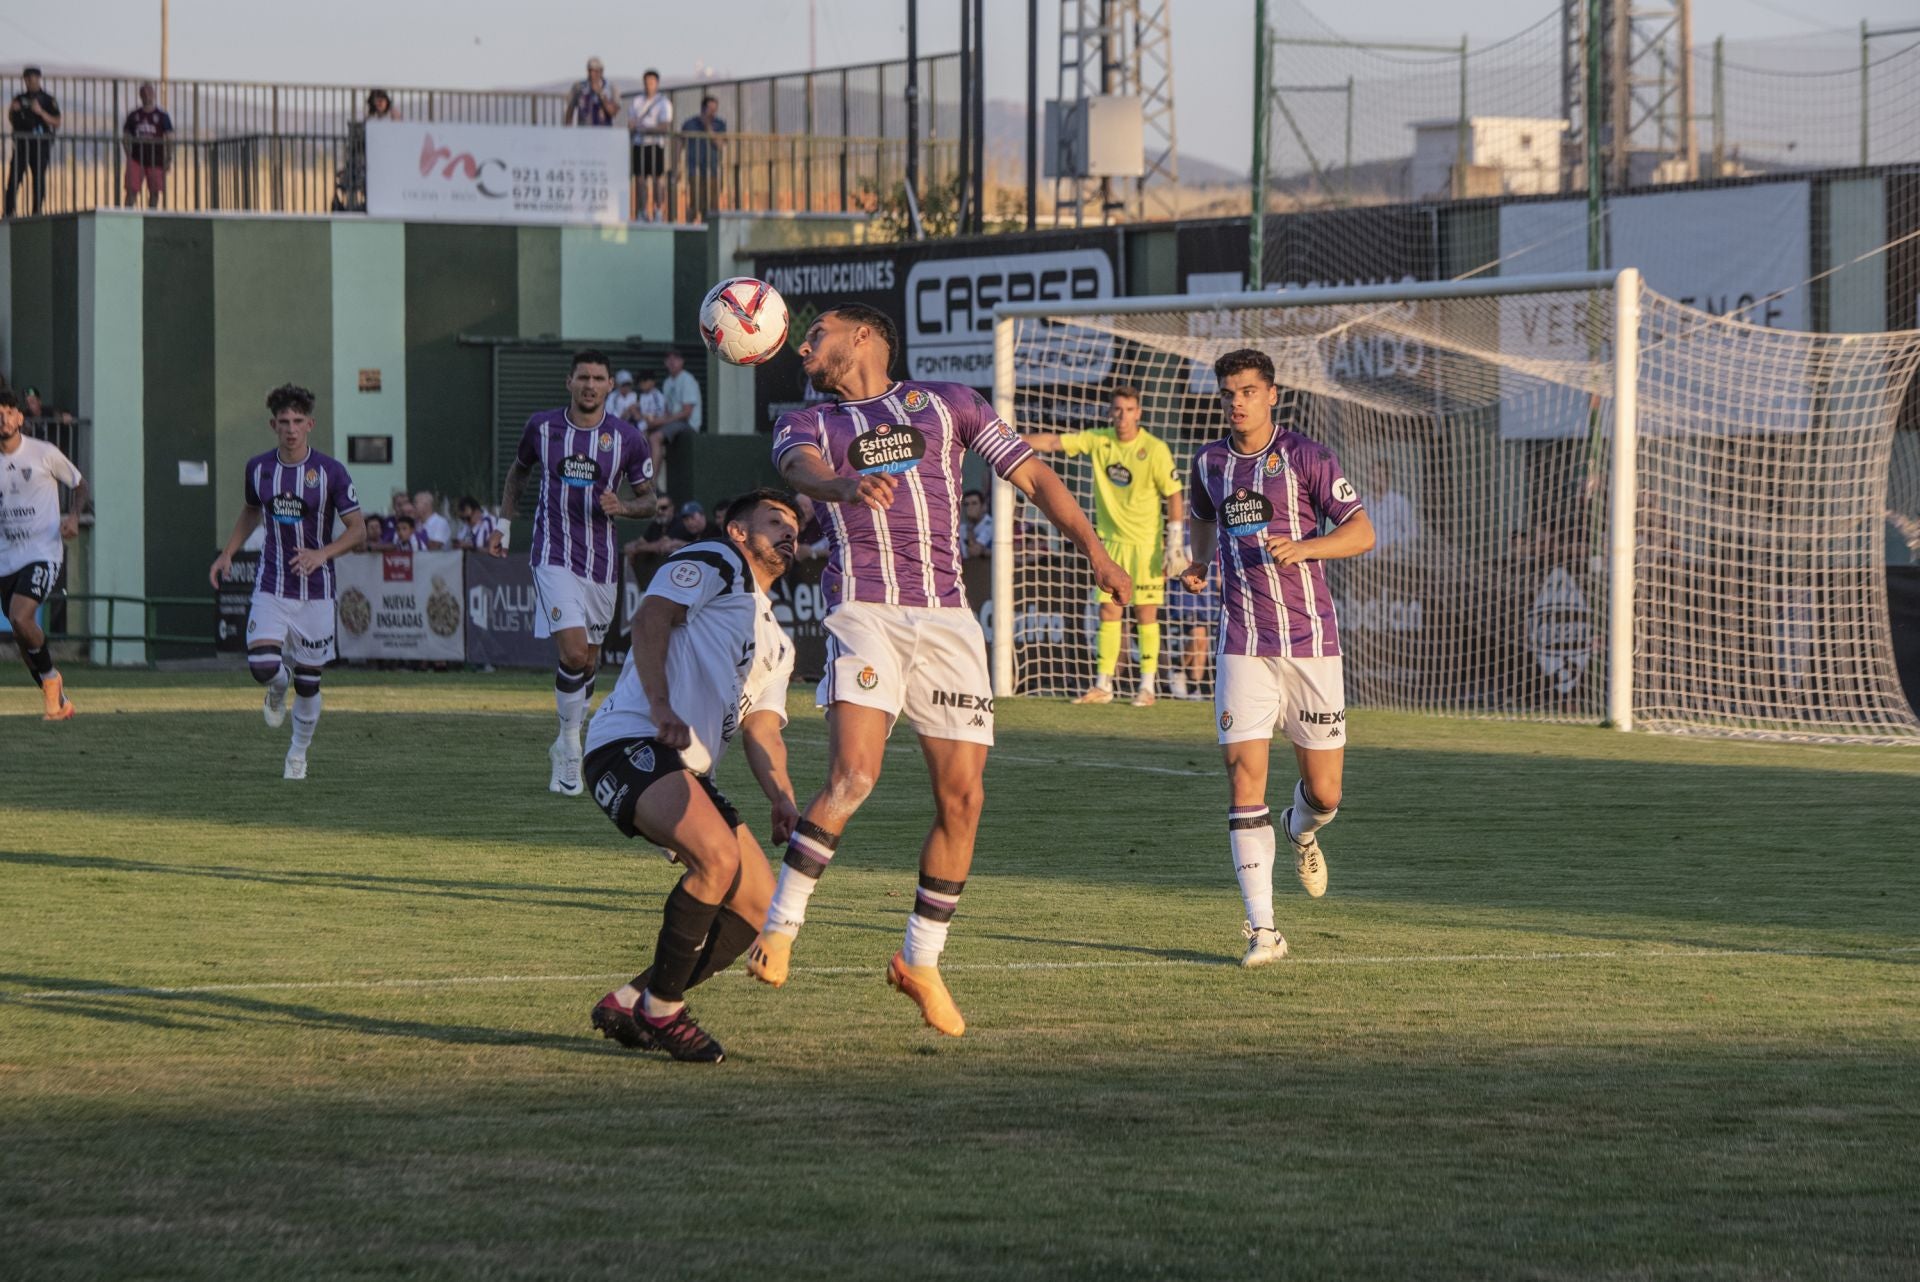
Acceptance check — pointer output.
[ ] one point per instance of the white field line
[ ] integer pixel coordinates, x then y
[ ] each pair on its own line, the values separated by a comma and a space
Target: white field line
1390, 959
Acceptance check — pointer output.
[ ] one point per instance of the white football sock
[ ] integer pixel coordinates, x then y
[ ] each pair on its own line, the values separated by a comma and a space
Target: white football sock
926, 940
306, 720
658, 1011
1177, 684
1250, 838
1306, 820
788, 911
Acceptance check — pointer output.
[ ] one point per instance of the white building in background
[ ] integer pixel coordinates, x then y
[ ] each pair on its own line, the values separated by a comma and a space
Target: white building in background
1506, 156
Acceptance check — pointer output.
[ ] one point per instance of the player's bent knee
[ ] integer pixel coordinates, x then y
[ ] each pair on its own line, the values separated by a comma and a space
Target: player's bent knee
961, 800
264, 664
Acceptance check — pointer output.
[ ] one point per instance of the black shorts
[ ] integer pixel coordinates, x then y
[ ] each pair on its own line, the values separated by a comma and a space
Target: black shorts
35, 579
649, 160
617, 773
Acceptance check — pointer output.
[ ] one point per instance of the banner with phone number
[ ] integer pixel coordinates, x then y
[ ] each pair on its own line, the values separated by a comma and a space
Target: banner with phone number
496, 173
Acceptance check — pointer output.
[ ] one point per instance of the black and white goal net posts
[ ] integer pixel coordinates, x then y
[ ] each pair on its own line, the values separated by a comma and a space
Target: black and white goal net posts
1594, 504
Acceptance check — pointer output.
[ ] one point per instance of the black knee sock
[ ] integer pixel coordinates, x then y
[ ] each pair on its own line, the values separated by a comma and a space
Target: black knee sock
39, 663
731, 936
684, 928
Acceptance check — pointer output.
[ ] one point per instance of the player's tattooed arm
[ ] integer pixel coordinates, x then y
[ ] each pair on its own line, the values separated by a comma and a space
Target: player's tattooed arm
243, 525
809, 474
767, 755
1041, 484
1351, 538
510, 492
641, 504
653, 624
70, 523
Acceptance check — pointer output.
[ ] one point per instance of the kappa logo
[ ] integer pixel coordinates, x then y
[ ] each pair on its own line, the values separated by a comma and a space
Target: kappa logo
1226, 721
867, 679
685, 574
642, 758
978, 720
916, 400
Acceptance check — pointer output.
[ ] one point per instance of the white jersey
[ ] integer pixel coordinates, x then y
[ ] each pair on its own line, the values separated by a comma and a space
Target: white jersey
30, 481
728, 661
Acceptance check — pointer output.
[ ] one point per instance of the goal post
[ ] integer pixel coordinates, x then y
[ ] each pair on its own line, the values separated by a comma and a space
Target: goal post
1595, 504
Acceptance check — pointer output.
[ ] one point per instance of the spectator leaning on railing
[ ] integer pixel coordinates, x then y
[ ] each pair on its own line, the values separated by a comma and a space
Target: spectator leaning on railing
593, 101
145, 135
703, 154
34, 116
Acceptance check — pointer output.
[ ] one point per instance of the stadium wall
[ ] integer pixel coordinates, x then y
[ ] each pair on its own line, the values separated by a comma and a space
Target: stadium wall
167, 331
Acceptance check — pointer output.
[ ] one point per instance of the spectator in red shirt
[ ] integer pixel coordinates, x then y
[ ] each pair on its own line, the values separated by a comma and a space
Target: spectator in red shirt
145, 137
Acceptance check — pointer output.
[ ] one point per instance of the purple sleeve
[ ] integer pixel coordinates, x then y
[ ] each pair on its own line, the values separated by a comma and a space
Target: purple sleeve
345, 498
253, 497
1332, 492
528, 455
639, 459
796, 428
1199, 502
986, 433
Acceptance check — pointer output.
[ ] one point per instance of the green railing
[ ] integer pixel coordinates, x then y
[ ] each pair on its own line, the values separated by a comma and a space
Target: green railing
149, 608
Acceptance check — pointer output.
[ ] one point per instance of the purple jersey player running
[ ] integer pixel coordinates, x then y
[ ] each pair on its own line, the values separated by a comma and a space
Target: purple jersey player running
300, 492
884, 461
581, 454
1265, 492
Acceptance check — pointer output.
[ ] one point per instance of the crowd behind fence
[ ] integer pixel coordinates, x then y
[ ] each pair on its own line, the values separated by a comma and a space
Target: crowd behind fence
824, 141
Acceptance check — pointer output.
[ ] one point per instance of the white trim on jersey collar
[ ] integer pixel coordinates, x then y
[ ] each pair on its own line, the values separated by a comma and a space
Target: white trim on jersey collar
307, 457
566, 416
892, 387
1272, 440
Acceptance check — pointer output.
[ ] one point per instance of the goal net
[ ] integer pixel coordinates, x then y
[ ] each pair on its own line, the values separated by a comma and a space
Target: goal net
1593, 503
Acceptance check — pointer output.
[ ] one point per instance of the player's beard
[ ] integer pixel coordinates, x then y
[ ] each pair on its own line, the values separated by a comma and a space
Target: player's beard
831, 371
768, 555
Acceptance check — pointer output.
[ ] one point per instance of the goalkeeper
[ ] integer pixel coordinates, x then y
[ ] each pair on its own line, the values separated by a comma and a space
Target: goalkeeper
1133, 475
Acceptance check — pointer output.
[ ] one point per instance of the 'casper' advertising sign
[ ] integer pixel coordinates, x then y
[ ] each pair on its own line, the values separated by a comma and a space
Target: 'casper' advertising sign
950, 302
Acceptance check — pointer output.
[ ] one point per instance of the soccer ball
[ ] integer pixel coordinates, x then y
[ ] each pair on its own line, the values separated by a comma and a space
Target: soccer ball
743, 320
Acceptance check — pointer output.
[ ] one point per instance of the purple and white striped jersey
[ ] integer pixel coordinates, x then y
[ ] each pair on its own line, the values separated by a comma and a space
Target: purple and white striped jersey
299, 502
479, 535
910, 554
576, 465
1269, 610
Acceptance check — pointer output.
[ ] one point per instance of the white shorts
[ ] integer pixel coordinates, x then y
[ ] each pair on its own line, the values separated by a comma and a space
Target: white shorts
568, 601
1306, 697
929, 661
302, 629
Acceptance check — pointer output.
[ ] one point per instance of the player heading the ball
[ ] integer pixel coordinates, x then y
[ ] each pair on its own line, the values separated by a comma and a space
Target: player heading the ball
1267, 494
884, 461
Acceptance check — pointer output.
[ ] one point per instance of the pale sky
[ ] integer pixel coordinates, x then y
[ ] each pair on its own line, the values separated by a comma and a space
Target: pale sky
485, 44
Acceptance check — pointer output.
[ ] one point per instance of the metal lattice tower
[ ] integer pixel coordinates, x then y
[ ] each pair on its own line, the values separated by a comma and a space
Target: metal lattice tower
1122, 47
1645, 89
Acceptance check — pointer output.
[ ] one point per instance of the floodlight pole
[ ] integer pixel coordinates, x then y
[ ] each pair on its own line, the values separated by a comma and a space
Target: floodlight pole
913, 115
1257, 228
1623, 497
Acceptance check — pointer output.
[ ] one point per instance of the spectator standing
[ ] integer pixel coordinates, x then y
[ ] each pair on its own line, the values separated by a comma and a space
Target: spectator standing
380, 106
593, 101
703, 154
624, 402
34, 116
649, 121
436, 527
145, 135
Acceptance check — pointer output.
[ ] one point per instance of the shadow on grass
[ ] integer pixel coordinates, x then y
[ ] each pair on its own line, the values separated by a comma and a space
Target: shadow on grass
498, 892
223, 1011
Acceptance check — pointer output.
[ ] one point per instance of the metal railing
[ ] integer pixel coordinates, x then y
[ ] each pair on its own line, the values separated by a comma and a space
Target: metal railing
326, 173
149, 634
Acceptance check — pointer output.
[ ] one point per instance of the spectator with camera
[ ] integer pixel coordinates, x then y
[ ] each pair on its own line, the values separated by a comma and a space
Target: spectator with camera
34, 117
593, 101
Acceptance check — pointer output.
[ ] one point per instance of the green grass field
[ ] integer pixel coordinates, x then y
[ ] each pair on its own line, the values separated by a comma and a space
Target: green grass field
1578, 1005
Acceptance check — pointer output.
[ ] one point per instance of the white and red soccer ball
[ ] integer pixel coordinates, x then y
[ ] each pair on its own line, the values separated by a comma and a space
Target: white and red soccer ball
743, 320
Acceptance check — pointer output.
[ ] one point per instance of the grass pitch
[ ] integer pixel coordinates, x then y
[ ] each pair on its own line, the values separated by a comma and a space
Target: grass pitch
1577, 1005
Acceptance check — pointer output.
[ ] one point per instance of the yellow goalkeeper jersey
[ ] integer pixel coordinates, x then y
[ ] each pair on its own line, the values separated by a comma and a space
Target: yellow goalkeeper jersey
1131, 481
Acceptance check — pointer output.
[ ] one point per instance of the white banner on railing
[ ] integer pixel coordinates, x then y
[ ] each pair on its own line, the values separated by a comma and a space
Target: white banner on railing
402, 605
496, 173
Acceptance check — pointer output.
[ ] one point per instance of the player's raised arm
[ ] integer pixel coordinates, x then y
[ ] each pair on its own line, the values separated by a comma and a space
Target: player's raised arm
807, 471
1045, 442
1040, 483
